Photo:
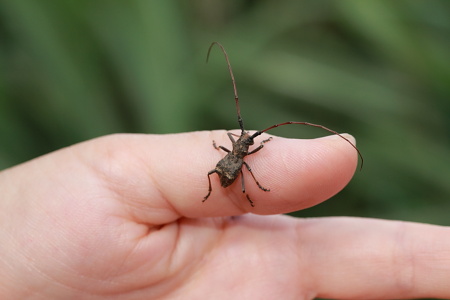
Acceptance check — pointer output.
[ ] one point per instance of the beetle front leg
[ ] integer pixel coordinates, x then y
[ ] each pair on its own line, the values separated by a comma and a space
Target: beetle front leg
220, 147
230, 136
260, 146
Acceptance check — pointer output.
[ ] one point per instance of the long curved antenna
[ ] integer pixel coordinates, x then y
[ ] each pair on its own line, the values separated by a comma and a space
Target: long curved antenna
315, 125
236, 98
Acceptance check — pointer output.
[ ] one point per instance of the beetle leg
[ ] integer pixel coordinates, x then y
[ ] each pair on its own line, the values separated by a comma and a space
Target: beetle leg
259, 185
220, 147
260, 146
209, 181
243, 189
230, 135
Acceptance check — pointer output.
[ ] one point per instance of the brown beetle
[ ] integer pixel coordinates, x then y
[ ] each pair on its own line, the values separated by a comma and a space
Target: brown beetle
229, 167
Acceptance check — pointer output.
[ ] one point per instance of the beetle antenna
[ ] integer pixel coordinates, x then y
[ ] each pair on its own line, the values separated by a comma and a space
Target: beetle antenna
236, 98
315, 125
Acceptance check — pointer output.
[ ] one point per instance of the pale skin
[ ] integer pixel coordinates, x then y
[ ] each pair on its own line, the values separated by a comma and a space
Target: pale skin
121, 217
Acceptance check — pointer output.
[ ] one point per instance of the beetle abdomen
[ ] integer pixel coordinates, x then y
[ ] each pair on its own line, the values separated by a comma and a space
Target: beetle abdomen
228, 169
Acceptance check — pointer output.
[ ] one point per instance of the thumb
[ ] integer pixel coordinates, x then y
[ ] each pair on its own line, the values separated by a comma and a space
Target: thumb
164, 177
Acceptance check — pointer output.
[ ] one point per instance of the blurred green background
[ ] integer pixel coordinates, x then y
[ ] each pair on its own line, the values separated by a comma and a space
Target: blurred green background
380, 70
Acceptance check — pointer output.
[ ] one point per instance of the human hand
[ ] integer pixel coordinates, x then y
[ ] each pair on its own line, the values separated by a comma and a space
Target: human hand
121, 217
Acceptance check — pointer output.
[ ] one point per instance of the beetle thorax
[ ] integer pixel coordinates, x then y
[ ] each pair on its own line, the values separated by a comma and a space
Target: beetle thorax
240, 147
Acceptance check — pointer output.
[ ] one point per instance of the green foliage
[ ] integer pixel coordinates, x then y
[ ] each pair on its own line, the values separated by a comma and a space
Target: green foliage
380, 70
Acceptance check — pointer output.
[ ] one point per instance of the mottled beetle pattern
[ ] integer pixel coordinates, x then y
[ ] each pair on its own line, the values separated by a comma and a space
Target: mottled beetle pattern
229, 167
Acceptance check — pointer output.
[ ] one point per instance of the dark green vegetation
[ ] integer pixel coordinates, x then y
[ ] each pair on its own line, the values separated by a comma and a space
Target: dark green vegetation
380, 70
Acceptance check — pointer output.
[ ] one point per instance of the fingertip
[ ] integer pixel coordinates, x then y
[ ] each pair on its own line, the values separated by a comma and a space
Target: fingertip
301, 173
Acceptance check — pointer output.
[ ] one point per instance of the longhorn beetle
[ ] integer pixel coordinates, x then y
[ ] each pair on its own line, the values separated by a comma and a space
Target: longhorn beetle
229, 167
